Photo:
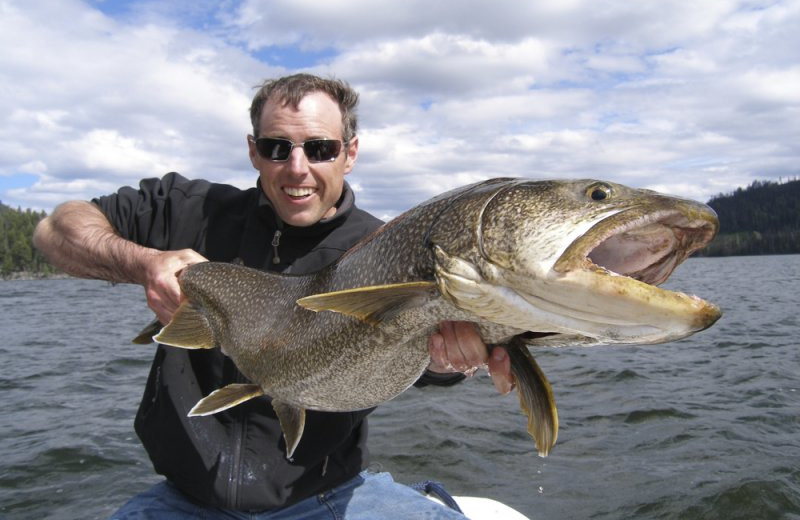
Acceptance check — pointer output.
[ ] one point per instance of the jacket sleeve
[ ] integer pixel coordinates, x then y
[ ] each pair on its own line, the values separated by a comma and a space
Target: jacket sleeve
165, 213
437, 379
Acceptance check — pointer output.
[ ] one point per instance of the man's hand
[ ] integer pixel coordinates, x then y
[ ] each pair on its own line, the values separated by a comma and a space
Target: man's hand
458, 347
78, 238
161, 280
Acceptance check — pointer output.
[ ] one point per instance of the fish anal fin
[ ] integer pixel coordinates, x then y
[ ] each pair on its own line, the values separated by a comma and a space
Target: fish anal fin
293, 421
224, 398
188, 328
145, 337
535, 396
373, 304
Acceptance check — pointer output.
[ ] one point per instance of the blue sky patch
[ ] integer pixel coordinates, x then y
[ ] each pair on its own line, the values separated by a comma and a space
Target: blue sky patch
198, 14
19, 180
293, 57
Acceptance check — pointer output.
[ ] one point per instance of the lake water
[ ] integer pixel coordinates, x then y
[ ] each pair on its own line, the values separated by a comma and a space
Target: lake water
708, 427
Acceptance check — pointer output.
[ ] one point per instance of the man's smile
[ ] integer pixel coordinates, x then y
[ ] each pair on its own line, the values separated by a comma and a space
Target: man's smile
299, 193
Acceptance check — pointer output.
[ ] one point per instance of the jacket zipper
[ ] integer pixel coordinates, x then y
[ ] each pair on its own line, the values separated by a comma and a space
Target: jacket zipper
240, 433
276, 241
235, 472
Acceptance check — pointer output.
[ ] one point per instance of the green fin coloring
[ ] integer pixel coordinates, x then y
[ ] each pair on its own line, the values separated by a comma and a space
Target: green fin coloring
373, 304
293, 421
535, 396
224, 398
188, 328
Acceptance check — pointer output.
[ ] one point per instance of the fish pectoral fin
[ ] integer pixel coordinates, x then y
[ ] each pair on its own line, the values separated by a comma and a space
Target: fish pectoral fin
188, 328
145, 337
535, 396
224, 398
373, 304
293, 421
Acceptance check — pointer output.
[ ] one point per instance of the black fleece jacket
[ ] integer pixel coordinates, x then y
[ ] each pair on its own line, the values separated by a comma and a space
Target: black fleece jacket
236, 459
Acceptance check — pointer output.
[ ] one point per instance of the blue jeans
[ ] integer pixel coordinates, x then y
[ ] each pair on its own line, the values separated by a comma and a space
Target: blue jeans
369, 496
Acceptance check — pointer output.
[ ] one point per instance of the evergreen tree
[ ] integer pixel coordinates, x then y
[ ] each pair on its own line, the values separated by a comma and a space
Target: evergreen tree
17, 253
764, 218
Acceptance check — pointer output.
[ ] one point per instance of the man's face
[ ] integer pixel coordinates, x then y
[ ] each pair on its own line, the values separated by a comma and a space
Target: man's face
303, 192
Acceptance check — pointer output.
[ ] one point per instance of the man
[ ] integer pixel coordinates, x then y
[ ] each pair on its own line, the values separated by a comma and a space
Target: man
300, 217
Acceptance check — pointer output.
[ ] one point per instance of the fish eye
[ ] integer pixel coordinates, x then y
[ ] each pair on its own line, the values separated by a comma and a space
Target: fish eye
599, 192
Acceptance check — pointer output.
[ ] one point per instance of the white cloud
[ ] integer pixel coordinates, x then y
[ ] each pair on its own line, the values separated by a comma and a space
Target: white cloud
442, 65
98, 97
694, 98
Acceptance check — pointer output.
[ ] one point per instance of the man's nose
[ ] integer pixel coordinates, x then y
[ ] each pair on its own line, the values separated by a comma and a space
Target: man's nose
298, 162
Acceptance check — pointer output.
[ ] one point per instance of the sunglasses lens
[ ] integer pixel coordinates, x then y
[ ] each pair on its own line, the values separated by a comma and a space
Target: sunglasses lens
321, 150
316, 150
274, 149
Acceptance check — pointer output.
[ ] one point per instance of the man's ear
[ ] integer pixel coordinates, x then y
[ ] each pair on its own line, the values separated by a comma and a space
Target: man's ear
352, 155
252, 151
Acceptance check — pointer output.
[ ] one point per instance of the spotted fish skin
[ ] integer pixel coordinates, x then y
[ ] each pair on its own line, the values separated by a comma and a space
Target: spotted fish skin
530, 262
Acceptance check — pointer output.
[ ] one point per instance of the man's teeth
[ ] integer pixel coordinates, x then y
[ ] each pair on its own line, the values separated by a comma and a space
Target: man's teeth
299, 192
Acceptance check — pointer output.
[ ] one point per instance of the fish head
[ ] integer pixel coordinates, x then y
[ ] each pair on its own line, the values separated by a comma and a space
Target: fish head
580, 257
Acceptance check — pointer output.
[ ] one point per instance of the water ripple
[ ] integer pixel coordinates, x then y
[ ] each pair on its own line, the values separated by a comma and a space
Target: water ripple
701, 428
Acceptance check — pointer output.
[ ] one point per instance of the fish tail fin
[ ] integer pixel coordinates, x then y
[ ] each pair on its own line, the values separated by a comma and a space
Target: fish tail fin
535, 396
293, 420
146, 335
224, 398
188, 328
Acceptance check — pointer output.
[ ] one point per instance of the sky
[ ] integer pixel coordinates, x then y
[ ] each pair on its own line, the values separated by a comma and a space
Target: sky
689, 97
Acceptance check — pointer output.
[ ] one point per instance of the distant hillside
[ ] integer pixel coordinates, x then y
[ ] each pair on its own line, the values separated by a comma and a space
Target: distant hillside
762, 219
17, 253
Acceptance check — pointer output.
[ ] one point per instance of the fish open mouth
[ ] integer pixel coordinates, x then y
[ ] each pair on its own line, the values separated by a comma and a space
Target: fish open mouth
615, 269
603, 286
646, 248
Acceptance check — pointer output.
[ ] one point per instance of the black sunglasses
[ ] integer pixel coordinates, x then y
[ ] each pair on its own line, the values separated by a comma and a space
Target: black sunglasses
316, 150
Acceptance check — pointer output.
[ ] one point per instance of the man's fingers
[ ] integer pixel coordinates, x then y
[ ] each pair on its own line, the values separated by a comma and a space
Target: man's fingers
464, 346
163, 290
453, 356
439, 361
458, 347
500, 370
470, 344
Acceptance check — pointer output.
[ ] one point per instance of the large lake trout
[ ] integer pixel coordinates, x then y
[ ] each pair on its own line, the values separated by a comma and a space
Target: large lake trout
529, 262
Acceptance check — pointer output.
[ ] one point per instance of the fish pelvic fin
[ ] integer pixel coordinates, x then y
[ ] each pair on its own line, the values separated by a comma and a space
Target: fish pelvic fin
145, 337
188, 328
535, 396
293, 421
373, 304
224, 398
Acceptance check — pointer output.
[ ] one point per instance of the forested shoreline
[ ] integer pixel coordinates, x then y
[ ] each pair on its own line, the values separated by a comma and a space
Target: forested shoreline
762, 219
18, 257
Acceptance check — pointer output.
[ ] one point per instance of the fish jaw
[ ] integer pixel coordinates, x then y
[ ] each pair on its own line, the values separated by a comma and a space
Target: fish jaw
591, 303
619, 263
619, 309
600, 284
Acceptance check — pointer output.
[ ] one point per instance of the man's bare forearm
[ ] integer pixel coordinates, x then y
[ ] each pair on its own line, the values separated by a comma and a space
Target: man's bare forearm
78, 239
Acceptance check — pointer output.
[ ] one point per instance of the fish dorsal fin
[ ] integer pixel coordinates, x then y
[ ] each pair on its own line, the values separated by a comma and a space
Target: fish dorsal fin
373, 304
293, 421
224, 398
188, 328
535, 396
145, 337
